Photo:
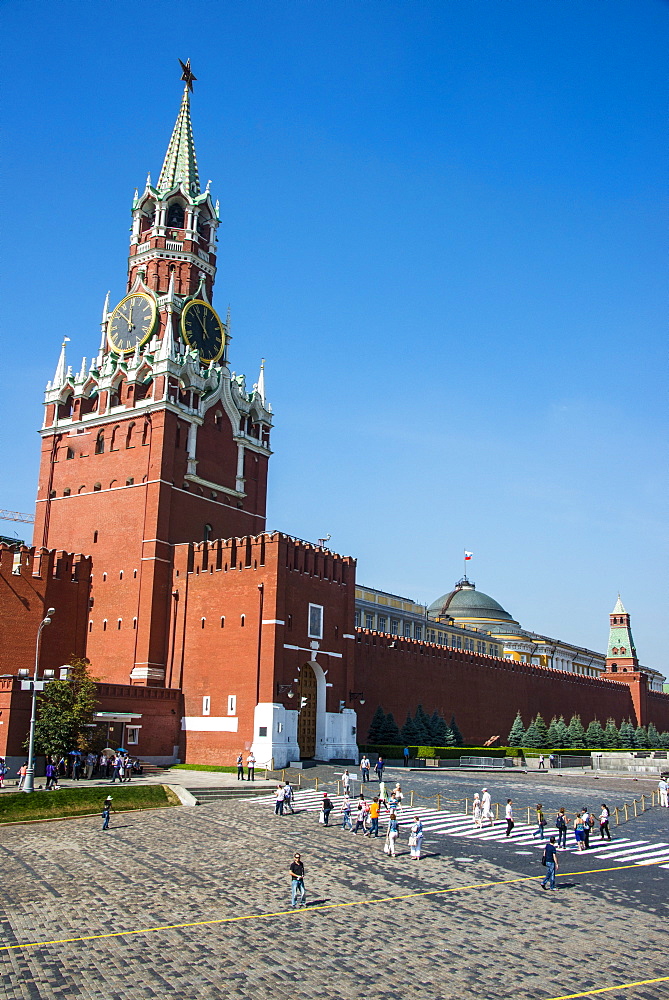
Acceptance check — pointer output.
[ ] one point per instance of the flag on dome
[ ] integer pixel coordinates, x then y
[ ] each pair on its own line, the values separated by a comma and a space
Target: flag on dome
468, 555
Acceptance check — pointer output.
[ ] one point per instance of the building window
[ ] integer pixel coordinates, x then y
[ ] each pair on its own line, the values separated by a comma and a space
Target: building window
97, 487
207, 532
119, 623
431, 635
369, 621
134, 623
90, 626
104, 625
132, 735
262, 730
358, 618
66, 493
222, 621
120, 576
95, 537
206, 704
232, 704
202, 621
418, 632
100, 444
315, 621
407, 630
70, 453
394, 626
242, 621
382, 622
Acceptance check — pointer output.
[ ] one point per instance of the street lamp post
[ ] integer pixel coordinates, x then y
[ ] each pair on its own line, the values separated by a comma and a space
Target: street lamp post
29, 783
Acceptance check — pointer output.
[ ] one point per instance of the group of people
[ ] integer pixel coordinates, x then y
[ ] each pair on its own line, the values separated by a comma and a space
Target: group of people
250, 767
116, 767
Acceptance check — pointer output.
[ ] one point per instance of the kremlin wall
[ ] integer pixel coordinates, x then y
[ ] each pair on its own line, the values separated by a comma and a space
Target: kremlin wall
208, 635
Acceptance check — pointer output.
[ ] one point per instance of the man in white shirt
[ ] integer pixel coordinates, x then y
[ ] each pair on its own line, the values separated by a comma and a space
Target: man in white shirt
508, 815
663, 789
486, 807
250, 765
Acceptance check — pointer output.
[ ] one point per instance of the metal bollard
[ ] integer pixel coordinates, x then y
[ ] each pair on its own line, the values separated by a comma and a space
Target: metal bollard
626, 813
634, 804
617, 812
466, 807
643, 803
411, 798
496, 810
316, 784
438, 802
528, 815
283, 775
299, 779
338, 787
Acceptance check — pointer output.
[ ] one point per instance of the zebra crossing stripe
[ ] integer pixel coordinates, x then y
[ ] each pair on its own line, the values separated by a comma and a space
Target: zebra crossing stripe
643, 852
662, 856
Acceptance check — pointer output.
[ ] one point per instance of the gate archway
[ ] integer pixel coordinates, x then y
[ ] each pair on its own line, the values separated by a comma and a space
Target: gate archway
306, 724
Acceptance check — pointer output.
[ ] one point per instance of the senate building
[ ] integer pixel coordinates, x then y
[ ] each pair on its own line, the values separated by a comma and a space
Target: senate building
207, 634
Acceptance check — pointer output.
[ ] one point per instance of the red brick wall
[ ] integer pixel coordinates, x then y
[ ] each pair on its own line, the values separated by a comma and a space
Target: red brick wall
483, 692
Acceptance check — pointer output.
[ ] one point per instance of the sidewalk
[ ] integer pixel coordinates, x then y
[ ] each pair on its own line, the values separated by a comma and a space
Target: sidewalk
189, 779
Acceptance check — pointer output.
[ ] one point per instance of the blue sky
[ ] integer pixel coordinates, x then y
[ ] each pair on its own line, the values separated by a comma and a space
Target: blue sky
444, 227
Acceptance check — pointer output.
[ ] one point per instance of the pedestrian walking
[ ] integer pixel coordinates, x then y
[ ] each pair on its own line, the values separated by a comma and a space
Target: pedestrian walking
549, 859
278, 801
585, 816
405, 755
392, 835
346, 782
116, 768
561, 826
361, 811
378, 767
127, 768
91, 761
22, 771
578, 832
106, 812
240, 767
551, 760
383, 795
346, 823
542, 762
476, 811
364, 767
3, 772
51, 773
399, 797
486, 807
251, 767
326, 809
604, 815
416, 838
288, 796
508, 816
374, 810
663, 789
297, 882
541, 822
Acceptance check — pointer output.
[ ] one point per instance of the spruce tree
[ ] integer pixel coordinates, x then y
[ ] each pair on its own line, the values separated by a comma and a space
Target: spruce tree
531, 737
553, 735
653, 736
377, 726
390, 733
449, 738
410, 732
457, 735
627, 735
641, 738
664, 740
564, 739
611, 735
422, 722
517, 732
542, 732
438, 729
576, 732
594, 735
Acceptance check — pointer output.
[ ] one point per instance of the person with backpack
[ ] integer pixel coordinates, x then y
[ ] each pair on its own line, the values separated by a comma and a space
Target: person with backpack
550, 861
585, 815
361, 815
278, 801
288, 796
561, 826
327, 808
392, 835
3, 771
346, 823
240, 767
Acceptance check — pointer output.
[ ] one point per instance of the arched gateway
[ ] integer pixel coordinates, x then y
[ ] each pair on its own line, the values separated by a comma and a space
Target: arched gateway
308, 703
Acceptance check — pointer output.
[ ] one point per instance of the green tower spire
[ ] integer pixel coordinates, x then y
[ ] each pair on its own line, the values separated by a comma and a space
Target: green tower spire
180, 164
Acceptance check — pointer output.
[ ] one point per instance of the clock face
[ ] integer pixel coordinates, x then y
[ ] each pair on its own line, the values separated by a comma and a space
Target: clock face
203, 330
131, 323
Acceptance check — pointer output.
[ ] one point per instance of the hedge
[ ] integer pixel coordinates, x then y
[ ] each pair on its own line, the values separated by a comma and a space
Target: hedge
573, 751
445, 753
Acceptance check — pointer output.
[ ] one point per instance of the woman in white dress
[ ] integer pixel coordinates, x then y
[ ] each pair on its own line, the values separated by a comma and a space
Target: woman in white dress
399, 796
477, 811
416, 838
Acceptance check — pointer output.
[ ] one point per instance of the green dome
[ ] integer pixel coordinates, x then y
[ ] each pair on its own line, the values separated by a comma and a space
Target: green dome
468, 602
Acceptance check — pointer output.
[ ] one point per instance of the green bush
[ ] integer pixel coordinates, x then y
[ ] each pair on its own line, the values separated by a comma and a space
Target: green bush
445, 753
224, 768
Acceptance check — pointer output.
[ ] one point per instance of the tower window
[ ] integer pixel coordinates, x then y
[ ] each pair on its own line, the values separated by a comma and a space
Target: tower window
207, 532
134, 623
100, 444
95, 537
66, 493
315, 621
70, 453
130, 481
175, 216
242, 621
202, 622
90, 626
223, 621
104, 625
120, 576
118, 624
97, 487
128, 439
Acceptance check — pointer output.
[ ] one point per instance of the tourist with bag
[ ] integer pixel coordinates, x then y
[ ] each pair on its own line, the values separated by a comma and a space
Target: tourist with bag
391, 836
561, 826
326, 809
604, 822
297, 882
550, 862
541, 822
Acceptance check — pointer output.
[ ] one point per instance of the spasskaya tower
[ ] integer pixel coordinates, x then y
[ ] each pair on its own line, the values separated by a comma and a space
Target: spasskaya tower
155, 442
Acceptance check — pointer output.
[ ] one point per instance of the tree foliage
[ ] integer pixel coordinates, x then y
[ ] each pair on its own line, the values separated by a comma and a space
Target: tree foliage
517, 732
576, 732
65, 712
377, 726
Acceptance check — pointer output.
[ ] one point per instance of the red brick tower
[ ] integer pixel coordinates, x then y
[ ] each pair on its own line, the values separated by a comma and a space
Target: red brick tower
156, 442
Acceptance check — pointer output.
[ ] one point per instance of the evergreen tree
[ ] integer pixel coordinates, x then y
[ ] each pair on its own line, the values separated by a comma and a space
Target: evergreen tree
594, 735
564, 738
390, 731
641, 738
627, 741
377, 726
664, 740
422, 722
65, 712
410, 732
449, 738
553, 735
542, 732
457, 735
517, 732
438, 729
653, 736
531, 737
611, 736
576, 732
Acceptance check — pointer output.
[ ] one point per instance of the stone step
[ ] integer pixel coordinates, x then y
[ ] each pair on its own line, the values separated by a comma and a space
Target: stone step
223, 792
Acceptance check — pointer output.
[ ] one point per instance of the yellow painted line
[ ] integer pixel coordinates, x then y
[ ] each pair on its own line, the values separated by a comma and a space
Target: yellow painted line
312, 909
608, 989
